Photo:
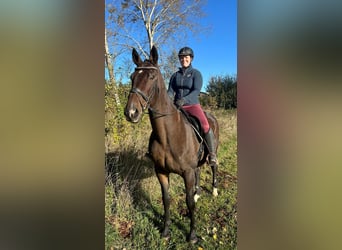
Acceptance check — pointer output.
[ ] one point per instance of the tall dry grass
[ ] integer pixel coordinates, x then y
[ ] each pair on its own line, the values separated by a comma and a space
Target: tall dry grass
133, 205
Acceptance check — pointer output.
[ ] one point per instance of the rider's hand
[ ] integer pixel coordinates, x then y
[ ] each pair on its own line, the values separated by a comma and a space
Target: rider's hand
179, 102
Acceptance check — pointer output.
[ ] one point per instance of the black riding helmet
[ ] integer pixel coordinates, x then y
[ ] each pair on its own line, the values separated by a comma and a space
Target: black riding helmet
186, 51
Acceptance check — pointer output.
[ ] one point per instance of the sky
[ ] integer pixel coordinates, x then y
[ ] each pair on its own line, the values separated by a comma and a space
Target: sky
216, 52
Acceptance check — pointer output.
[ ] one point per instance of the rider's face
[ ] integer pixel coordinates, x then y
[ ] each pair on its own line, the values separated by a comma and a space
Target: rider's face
185, 61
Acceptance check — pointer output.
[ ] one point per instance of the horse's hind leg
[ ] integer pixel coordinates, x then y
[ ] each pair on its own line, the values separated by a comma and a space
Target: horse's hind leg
164, 183
197, 185
214, 172
189, 180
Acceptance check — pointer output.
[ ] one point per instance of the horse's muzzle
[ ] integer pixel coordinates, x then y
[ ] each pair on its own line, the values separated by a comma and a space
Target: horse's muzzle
132, 114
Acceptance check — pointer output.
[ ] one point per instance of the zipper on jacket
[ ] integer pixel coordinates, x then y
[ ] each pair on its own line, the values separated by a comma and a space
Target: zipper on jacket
182, 81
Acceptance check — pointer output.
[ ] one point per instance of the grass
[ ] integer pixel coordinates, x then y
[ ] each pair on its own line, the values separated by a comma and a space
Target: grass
133, 204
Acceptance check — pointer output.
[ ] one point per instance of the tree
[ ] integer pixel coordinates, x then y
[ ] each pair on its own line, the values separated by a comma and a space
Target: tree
108, 59
110, 67
170, 65
224, 90
144, 23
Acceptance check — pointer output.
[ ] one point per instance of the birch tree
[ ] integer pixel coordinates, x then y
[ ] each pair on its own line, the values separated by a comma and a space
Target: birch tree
144, 23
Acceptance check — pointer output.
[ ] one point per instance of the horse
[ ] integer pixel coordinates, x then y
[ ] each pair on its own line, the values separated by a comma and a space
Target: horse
173, 146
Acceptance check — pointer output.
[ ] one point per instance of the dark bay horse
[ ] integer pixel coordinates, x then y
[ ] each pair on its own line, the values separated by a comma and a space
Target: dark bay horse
173, 145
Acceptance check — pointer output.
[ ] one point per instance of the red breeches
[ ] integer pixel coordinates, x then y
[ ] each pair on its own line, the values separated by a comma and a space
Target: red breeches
196, 110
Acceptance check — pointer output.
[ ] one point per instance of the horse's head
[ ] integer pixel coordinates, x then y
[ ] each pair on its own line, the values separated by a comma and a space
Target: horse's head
144, 85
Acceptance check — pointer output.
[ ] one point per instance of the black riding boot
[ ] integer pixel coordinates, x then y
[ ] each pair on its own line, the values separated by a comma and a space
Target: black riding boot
210, 139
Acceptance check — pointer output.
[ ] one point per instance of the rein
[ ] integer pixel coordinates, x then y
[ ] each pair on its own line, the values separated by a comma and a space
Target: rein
148, 98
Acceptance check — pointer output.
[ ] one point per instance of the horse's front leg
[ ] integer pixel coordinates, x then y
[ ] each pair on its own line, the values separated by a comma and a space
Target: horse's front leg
164, 183
214, 183
189, 180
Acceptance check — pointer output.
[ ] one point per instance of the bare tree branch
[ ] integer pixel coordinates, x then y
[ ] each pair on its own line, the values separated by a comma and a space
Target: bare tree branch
144, 23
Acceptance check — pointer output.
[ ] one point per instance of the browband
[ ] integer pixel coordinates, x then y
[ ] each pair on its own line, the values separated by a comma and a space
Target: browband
146, 67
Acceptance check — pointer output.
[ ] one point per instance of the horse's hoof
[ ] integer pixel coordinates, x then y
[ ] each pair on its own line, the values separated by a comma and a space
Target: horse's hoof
215, 193
166, 235
192, 238
194, 241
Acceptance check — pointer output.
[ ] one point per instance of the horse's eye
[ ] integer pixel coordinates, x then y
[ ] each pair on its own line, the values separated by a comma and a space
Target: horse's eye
152, 76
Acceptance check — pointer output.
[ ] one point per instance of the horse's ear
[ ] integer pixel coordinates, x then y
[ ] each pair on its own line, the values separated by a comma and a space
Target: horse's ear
154, 55
136, 57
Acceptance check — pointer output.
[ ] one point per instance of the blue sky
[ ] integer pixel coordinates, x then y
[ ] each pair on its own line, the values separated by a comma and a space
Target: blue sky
216, 52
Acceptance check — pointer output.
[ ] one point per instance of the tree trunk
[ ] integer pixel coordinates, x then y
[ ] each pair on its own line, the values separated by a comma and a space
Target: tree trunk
111, 70
109, 61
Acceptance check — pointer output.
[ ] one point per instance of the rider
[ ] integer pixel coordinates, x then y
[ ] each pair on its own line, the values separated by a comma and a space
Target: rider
184, 88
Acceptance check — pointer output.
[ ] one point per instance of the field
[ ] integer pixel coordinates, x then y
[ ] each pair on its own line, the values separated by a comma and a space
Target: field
133, 203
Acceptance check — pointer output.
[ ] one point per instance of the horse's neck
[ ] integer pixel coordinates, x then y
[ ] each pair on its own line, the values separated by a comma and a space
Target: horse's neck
168, 120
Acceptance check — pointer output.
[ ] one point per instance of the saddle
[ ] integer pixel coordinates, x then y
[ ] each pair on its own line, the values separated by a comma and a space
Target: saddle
197, 127
195, 123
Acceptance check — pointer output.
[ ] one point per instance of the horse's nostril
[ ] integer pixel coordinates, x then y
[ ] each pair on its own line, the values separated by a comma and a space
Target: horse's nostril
132, 112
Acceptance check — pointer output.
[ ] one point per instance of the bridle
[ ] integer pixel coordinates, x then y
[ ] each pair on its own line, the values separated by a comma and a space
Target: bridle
147, 98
